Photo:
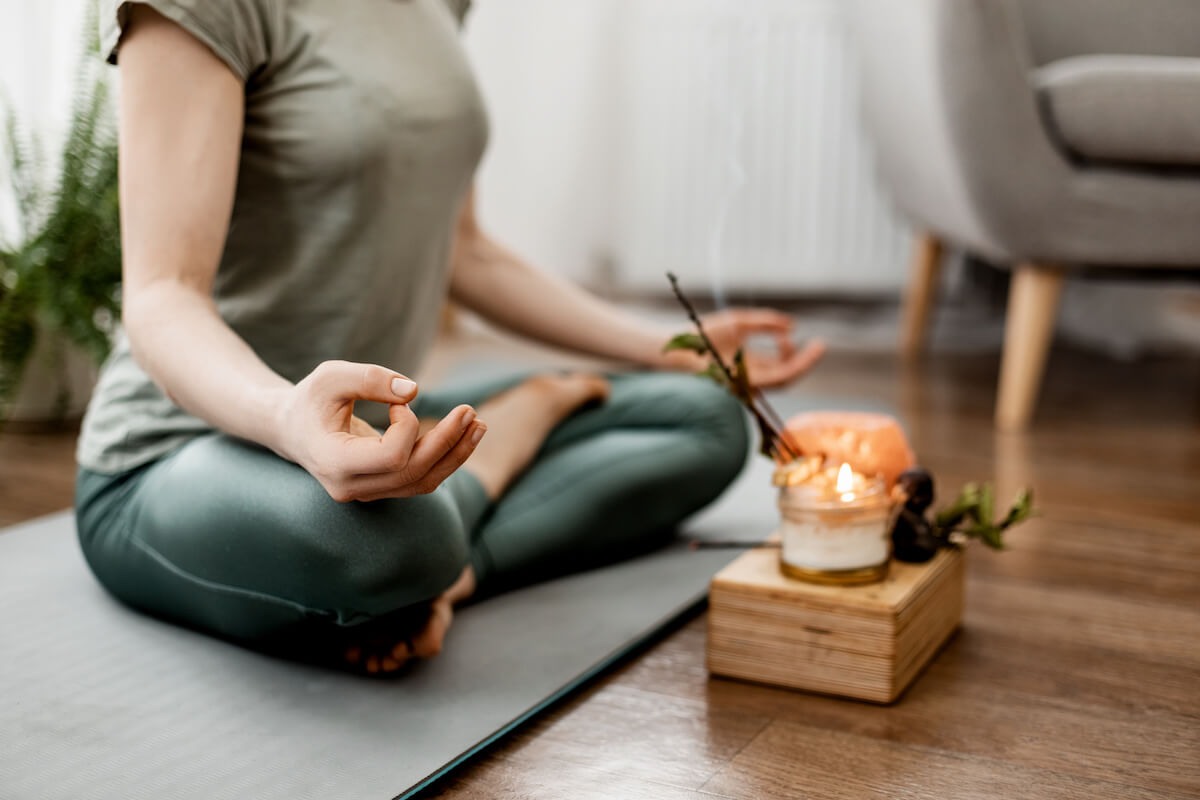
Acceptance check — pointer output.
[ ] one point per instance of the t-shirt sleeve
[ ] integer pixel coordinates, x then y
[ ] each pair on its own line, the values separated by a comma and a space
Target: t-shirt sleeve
235, 30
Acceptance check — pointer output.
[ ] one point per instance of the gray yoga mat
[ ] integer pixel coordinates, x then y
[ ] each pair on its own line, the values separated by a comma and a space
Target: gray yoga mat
97, 701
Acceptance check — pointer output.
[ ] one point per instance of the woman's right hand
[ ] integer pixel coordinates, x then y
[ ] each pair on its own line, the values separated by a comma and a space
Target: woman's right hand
316, 429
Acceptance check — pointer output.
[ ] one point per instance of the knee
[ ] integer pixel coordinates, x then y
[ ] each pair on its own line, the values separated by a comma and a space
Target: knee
715, 421
386, 555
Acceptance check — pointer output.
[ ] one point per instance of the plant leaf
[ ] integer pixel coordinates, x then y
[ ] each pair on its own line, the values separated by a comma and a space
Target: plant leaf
985, 507
686, 341
717, 374
974, 507
1022, 509
964, 506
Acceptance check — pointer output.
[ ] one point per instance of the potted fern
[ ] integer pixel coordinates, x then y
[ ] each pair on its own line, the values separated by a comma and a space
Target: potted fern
60, 274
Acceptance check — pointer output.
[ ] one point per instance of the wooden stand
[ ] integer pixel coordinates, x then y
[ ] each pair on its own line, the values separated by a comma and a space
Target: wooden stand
866, 642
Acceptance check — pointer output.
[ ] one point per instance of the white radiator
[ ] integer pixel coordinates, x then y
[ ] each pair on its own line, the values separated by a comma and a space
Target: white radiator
743, 163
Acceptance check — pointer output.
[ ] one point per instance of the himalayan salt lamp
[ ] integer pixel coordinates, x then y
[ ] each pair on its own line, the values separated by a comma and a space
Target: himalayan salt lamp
872, 444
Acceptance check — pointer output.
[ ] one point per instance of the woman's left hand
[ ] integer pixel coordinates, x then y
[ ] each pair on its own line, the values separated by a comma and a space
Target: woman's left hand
731, 328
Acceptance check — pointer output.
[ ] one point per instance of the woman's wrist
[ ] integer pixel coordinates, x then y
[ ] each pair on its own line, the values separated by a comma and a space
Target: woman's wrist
682, 361
272, 404
655, 357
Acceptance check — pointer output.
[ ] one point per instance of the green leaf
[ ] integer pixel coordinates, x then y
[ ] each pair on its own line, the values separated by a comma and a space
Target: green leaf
973, 511
717, 374
985, 506
63, 271
990, 535
686, 341
1022, 509
962, 508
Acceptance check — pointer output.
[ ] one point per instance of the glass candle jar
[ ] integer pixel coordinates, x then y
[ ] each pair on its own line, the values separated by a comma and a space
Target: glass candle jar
836, 527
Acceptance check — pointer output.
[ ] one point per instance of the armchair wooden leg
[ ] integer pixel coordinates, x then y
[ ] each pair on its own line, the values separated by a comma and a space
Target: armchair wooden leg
920, 295
1028, 331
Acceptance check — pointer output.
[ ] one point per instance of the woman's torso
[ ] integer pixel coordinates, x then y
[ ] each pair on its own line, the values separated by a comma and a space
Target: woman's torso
363, 128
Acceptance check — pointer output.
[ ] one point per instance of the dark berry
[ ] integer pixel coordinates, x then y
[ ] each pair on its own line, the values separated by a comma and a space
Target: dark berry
912, 538
917, 483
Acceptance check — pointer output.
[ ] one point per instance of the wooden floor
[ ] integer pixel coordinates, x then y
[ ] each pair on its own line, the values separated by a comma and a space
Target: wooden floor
1076, 673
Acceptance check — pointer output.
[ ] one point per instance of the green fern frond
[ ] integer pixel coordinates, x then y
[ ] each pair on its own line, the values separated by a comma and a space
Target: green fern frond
63, 273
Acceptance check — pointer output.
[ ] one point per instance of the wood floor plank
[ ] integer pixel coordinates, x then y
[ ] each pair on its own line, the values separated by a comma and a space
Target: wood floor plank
676, 739
791, 760
501, 777
37, 473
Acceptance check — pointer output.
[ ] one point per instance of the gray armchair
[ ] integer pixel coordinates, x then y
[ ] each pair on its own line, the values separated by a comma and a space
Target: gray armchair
1042, 134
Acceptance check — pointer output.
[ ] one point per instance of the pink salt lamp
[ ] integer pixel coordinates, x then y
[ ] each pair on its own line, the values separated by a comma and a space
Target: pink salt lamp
872, 444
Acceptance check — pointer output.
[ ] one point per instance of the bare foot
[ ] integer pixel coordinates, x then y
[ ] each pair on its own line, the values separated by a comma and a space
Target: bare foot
520, 419
383, 655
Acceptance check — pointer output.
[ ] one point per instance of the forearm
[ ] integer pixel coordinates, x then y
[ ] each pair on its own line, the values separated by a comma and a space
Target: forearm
500, 286
191, 353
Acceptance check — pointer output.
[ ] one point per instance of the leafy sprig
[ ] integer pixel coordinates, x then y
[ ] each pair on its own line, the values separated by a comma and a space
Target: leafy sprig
736, 378
972, 514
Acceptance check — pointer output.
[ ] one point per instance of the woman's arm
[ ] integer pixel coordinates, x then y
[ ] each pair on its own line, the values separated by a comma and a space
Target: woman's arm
181, 116
503, 288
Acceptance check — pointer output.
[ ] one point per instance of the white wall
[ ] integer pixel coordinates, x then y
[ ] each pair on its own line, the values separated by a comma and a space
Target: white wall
39, 45
548, 69
715, 138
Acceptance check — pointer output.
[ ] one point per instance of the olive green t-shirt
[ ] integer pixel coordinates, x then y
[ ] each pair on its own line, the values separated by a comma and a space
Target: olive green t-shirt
363, 128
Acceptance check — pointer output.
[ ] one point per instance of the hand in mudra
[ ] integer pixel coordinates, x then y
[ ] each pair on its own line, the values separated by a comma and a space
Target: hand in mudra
731, 328
352, 460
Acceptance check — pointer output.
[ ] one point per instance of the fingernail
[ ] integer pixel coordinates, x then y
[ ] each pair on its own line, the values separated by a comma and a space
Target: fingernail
468, 417
402, 387
477, 435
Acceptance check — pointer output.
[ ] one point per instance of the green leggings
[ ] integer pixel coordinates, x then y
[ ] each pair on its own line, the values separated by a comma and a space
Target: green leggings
227, 537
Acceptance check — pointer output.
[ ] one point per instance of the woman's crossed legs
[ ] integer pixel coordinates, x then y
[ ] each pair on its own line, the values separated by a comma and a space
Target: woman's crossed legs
229, 538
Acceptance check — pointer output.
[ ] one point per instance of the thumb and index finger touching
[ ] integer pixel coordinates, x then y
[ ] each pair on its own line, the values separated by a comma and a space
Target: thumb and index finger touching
347, 381
791, 362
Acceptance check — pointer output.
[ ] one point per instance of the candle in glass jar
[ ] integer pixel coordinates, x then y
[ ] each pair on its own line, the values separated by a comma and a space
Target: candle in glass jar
836, 526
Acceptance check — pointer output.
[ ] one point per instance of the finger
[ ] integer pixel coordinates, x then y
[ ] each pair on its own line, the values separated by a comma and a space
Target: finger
435, 444
779, 372
368, 488
391, 452
345, 380
450, 462
785, 345
764, 320
360, 427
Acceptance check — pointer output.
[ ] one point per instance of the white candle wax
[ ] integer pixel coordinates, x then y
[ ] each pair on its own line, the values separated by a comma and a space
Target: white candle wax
813, 545
835, 523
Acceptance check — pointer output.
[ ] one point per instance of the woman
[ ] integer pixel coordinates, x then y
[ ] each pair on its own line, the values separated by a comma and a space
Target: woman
295, 208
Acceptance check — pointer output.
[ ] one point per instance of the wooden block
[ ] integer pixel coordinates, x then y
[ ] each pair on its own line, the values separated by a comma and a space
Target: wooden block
866, 642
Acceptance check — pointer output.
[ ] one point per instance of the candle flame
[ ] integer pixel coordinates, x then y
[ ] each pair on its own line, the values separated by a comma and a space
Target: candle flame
845, 479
